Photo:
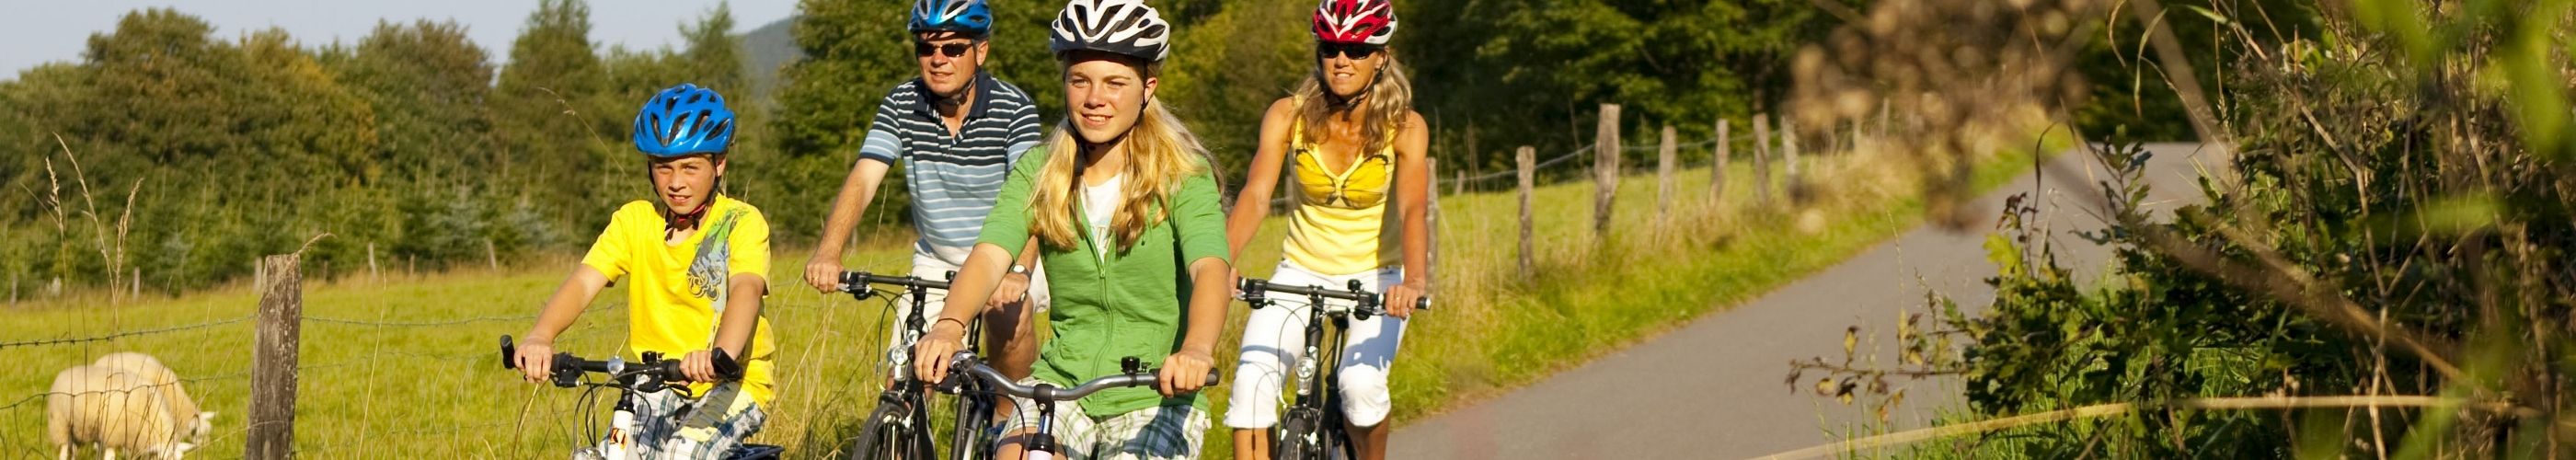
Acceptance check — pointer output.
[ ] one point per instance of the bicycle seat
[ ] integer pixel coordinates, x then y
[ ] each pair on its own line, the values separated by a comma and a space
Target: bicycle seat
757, 452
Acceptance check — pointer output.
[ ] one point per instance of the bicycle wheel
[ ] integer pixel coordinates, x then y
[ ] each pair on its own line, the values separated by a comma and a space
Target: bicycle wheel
974, 415
889, 435
1299, 438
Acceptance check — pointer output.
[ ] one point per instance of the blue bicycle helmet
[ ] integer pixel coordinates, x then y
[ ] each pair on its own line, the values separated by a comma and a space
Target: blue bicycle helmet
969, 17
684, 120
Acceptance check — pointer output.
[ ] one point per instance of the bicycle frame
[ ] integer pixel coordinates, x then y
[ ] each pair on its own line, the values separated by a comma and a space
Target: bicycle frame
1318, 374
908, 391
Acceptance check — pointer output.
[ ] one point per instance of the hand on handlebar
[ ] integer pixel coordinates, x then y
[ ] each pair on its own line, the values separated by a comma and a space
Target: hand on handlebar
536, 359
698, 366
1013, 288
824, 274
1184, 373
1401, 298
930, 355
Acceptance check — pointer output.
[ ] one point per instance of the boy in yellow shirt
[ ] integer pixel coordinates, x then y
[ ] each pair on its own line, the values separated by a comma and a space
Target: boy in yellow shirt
695, 266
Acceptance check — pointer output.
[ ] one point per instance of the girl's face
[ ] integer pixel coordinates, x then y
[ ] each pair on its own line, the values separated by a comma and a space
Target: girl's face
1106, 94
1348, 68
686, 182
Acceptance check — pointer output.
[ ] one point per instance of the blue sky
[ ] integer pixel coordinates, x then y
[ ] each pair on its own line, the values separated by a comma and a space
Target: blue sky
59, 30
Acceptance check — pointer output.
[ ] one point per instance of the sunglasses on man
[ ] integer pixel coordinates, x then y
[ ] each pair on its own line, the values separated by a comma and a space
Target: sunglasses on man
953, 50
1325, 50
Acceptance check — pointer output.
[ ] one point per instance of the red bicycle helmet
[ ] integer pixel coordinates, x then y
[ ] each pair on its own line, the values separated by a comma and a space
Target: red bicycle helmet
1355, 21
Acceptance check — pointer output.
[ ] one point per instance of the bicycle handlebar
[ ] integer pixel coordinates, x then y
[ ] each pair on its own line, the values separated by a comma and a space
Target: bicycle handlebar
1253, 289
966, 364
856, 282
568, 368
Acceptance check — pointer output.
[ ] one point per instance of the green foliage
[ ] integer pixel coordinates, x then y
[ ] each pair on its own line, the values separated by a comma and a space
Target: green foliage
2390, 188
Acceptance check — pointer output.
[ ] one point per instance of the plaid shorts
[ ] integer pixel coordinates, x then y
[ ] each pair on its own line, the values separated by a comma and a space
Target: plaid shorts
709, 427
1164, 432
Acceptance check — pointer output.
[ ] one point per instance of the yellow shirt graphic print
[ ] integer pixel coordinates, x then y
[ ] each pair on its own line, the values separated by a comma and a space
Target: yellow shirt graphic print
676, 292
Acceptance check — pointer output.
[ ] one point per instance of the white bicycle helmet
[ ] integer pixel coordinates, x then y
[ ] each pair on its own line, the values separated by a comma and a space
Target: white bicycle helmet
1117, 26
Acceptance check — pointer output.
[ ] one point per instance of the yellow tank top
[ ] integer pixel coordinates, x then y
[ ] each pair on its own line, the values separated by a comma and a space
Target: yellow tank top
1339, 226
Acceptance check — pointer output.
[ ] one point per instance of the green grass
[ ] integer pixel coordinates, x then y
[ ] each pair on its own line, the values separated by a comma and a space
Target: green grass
375, 391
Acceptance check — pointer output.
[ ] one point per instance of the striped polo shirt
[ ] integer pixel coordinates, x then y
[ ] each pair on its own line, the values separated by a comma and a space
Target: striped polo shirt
953, 179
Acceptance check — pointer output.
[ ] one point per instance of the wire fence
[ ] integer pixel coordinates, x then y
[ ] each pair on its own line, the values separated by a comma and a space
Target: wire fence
73, 390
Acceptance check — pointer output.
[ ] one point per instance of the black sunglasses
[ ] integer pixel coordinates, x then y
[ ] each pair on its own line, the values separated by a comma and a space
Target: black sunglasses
1325, 50
923, 49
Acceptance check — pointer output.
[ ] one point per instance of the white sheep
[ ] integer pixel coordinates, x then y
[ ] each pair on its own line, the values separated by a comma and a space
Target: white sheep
112, 410
173, 396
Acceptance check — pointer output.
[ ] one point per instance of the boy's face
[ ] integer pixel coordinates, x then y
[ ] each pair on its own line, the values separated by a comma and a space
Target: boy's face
685, 183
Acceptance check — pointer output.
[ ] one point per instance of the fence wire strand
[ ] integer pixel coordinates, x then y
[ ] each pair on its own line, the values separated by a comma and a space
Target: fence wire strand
113, 336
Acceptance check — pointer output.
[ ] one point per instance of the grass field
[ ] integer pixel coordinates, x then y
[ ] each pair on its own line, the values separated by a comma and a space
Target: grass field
408, 366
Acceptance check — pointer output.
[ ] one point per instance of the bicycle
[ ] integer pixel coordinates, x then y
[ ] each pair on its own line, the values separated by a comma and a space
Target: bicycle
989, 383
897, 428
1311, 427
650, 375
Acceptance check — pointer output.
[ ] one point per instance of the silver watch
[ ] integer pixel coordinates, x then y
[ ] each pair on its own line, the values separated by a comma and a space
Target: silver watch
1019, 269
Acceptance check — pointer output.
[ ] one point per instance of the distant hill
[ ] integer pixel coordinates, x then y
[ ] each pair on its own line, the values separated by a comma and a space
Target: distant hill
766, 51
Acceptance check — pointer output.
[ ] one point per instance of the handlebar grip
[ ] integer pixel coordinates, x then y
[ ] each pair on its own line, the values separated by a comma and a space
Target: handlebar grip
1213, 378
726, 368
509, 353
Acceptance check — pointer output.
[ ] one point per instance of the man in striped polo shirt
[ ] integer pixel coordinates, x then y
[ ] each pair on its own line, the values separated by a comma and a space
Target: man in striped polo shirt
956, 130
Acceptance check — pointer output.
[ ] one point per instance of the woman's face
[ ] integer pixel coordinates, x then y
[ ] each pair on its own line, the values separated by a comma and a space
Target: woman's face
1106, 93
1348, 68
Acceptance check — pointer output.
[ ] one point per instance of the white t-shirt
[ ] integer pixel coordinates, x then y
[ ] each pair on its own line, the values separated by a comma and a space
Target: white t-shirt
1099, 207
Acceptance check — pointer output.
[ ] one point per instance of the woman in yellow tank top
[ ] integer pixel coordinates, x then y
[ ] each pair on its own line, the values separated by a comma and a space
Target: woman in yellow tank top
1357, 152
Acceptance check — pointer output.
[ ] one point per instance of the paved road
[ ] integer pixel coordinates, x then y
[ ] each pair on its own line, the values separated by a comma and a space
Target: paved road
1712, 389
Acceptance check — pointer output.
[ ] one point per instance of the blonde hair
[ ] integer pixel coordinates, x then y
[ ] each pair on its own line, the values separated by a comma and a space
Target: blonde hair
1161, 153
1388, 98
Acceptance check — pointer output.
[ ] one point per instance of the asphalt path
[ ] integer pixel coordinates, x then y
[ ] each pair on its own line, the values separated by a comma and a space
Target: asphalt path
1714, 389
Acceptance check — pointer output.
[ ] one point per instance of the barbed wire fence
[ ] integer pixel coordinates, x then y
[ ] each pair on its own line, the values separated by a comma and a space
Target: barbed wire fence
35, 412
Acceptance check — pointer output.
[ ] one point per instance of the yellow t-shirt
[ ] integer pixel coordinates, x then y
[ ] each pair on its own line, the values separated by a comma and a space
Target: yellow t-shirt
673, 292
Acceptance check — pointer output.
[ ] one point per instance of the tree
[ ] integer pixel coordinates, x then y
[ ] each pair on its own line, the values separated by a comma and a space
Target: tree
556, 120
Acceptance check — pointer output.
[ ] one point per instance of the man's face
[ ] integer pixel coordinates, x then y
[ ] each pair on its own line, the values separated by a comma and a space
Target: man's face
685, 183
948, 60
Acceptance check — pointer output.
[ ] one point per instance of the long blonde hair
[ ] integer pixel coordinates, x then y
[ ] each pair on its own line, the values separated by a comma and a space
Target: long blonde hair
1161, 153
1388, 98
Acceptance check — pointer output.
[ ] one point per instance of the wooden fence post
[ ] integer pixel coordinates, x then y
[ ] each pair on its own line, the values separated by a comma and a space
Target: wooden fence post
373, 276
1605, 170
491, 256
1529, 180
135, 289
1664, 176
274, 359
1432, 165
1717, 172
13, 289
1762, 159
1789, 154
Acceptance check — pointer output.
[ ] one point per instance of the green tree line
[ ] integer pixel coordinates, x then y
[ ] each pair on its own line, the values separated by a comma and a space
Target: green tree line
410, 142
413, 141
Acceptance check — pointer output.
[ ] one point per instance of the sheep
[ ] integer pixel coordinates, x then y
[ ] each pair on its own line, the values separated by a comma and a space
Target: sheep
112, 410
174, 397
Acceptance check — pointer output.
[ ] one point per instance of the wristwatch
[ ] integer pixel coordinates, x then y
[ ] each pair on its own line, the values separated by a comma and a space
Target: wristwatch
1018, 269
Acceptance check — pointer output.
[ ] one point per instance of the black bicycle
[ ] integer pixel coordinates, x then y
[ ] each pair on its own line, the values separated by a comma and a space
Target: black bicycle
653, 374
900, 427
982, 380
1311, 427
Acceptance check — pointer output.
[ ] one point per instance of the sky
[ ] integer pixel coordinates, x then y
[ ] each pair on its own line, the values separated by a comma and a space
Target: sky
60, 30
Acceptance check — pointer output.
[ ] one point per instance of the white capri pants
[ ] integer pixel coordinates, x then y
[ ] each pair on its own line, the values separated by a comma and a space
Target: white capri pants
1275, 337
